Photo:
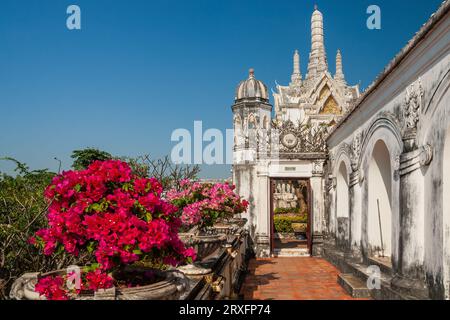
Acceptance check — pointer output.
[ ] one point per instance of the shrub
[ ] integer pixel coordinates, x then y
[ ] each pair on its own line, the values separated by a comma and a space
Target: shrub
203, 204
283, 223
117, 216
286, 210
83, 158
22, 213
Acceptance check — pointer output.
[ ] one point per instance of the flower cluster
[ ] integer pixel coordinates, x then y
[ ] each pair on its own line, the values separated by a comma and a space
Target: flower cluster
203, 204
55, 288
52, 288
117, 216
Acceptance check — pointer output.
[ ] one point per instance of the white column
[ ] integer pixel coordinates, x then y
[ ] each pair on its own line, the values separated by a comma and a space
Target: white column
318, 210
355, 212
410, 274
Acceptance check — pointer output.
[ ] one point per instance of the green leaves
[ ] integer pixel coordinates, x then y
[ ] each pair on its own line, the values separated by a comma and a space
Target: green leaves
91, 246
77, 188
127, 186
83, 158
101, 206
90, 268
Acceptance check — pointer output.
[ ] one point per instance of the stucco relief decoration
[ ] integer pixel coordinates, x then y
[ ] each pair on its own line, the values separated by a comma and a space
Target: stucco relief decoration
332, 156
318, 167
413, 105
356, 150
303, 138
426, 156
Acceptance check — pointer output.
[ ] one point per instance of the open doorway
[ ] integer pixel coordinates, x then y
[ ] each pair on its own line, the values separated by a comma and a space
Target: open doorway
290, 217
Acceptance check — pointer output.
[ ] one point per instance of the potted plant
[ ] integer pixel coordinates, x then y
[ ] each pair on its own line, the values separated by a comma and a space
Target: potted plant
201, 205
121, 219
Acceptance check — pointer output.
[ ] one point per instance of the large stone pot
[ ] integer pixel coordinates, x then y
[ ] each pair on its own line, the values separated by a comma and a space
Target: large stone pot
205, 242
171, 285
226, 228
240, 222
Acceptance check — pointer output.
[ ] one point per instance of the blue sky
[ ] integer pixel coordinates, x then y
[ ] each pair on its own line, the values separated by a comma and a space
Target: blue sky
139, 69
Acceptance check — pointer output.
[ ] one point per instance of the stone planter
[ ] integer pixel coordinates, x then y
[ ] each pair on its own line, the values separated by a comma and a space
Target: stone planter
171, 286
240, 222
227, 229
205, 243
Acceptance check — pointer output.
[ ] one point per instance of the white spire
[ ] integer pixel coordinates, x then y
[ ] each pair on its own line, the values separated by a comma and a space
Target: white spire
317, 57
339, 76
296, 77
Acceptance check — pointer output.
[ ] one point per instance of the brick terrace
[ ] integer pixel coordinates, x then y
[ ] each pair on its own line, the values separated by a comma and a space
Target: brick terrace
292, 279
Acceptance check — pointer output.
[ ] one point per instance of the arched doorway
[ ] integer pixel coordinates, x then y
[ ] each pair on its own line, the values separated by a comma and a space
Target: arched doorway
290, 217
379, 201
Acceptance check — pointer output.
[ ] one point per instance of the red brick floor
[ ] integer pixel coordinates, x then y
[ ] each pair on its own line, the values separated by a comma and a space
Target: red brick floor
292, 279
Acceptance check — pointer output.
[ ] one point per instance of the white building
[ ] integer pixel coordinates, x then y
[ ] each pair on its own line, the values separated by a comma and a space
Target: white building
378, 165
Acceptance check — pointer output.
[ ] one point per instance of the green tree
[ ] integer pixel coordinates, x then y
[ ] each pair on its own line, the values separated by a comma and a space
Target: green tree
23, 211
83, 158
163, 169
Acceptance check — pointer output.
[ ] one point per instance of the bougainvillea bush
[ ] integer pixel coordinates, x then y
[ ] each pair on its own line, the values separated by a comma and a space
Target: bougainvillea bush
119, 217
202, 204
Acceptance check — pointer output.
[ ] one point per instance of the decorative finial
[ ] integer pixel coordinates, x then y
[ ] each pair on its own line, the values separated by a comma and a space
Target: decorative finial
296, 77
251, 72
339, 73
316, 7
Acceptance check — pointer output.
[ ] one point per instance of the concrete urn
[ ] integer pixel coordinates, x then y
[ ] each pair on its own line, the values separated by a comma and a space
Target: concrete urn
170, 286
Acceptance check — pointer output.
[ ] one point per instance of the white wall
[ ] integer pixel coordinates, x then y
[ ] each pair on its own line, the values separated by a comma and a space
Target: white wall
446, 210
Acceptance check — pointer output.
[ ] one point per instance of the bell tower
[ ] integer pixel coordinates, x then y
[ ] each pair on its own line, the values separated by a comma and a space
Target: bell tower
252, 114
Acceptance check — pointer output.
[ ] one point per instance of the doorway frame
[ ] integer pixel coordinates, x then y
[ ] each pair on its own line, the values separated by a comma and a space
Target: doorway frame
309, 230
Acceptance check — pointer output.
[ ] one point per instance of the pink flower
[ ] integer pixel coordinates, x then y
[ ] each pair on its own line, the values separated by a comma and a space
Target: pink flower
111, 212
98, 280
52, 288
202, 204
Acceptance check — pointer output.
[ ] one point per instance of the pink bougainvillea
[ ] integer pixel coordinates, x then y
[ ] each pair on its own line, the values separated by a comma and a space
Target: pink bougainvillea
119, 217
202, 204
55, 288
52, 288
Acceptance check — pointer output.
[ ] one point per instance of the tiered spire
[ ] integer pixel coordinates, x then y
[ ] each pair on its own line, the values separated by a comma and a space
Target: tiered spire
317, 57
339, 76
296, 77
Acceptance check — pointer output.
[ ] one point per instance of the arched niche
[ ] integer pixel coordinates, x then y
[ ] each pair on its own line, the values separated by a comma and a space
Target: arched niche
342, 192
379, 194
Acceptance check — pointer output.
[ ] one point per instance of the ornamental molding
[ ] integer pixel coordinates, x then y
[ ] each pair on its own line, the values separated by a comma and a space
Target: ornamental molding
355, 178
318, 167
415, 159
412, 106
386, 120
301, 138
356, 150
332, 156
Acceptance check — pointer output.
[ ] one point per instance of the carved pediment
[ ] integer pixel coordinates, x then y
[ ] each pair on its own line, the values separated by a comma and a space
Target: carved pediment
301, 138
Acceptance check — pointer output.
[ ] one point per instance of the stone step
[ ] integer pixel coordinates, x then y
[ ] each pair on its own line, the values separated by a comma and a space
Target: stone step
384, 264
291, 253
353, 285
360, 271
